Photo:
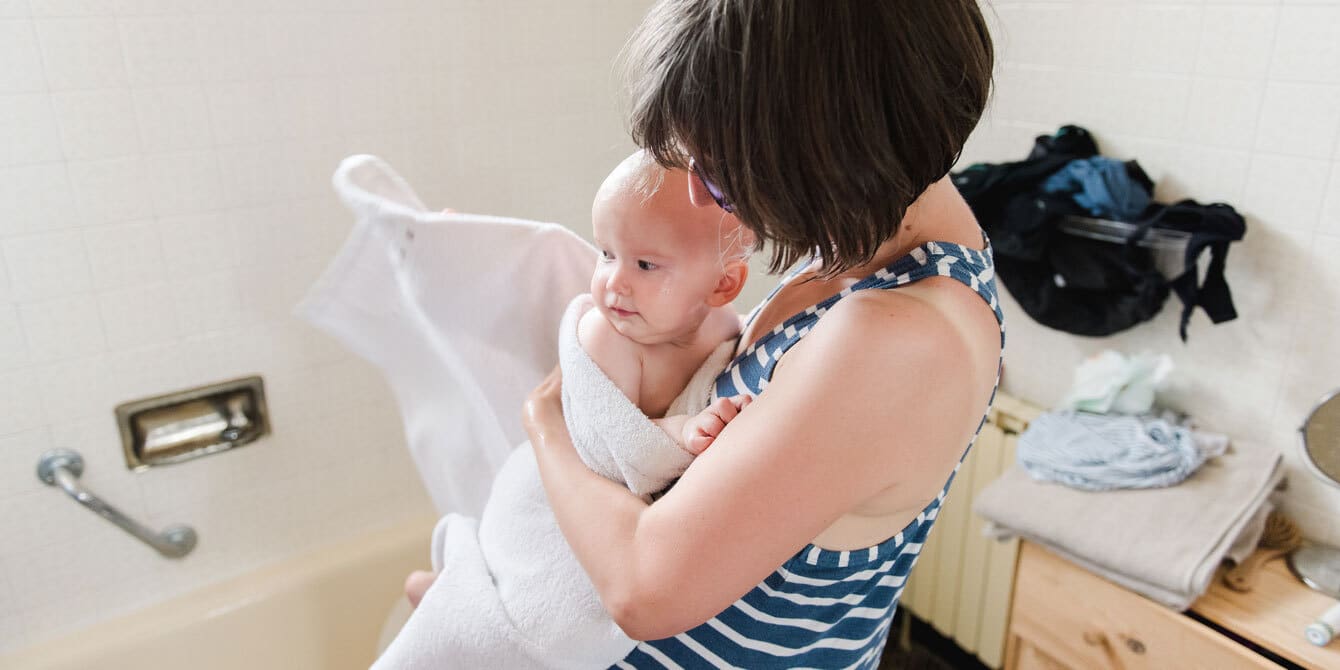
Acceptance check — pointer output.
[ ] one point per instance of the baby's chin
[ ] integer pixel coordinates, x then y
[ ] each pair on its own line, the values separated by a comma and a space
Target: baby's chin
636, 329
627, 329
621, 325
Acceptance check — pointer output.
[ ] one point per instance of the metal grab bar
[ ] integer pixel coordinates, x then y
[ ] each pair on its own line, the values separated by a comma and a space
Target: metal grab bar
62, 467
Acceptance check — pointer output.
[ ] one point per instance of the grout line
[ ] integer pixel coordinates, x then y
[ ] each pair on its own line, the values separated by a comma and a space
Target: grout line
1289, 356
32, 364
1191, 74
1265, 90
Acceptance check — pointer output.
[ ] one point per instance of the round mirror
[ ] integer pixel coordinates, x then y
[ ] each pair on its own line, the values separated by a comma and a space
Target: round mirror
1319, 565
1321, 438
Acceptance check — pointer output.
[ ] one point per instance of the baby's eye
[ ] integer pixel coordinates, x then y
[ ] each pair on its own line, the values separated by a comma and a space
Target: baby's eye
605, 255
646, 265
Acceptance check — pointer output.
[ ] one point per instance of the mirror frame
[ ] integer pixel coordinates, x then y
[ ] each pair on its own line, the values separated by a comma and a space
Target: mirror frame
1302, 435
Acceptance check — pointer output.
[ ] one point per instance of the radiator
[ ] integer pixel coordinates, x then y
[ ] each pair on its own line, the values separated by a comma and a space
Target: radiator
962, 582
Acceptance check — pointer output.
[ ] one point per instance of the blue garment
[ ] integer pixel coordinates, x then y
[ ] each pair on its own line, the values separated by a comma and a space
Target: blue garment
1102, 186
1099, 452
822, 608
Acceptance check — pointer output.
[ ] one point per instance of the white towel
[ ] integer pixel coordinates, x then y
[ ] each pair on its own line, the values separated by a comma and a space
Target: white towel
419, 295
511, 594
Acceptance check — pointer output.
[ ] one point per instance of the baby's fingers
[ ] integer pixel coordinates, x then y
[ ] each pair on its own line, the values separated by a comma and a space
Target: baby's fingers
698, 443
416, 584
712, 424
725, 409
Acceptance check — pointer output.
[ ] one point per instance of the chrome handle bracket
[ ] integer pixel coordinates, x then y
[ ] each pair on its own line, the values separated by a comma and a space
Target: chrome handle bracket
63, 467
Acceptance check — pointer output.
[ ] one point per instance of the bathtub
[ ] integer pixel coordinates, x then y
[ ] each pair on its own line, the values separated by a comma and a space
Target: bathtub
330, 609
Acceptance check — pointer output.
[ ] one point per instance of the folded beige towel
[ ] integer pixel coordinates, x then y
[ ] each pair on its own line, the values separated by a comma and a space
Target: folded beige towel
1165, 543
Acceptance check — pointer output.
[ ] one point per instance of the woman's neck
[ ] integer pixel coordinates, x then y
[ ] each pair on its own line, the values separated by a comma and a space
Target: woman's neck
926, 219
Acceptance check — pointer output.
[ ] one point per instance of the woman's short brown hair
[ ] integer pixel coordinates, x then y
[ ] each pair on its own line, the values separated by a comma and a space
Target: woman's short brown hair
820, 120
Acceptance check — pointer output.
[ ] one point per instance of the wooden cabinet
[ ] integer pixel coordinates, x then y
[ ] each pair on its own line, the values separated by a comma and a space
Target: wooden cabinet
1064, 617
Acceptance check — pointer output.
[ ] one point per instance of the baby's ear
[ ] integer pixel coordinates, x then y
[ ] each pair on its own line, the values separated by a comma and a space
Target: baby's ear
730, 284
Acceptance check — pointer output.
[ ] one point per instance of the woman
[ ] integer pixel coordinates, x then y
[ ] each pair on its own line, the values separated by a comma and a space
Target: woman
828, 128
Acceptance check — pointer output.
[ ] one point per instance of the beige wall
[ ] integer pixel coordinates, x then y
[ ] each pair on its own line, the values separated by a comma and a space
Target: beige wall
1226, 101
164, 201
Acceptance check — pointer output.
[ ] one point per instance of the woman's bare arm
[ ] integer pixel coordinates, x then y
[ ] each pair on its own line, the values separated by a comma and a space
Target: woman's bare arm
854, 411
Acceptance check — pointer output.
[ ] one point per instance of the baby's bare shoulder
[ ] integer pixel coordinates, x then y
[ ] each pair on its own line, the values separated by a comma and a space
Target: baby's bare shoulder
617, 356
594, 331
724, 323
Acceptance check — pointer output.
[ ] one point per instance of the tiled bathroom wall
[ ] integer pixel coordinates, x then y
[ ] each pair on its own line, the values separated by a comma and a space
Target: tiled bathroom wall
165, 200
1219, 101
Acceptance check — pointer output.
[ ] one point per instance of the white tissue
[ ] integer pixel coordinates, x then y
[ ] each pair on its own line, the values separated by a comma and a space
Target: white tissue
1109, 382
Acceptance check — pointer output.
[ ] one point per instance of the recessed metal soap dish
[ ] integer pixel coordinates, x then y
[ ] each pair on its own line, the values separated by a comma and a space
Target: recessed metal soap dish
188, 424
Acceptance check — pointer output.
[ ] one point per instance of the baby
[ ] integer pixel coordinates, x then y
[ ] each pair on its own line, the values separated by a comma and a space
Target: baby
662, 289
659, 308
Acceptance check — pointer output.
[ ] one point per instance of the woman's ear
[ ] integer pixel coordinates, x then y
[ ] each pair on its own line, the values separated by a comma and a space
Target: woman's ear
730, 284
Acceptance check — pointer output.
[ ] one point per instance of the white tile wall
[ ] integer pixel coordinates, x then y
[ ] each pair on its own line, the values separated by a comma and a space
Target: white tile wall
81, 52
28, 132
104, 192
36, 198
165, 200
1219, 100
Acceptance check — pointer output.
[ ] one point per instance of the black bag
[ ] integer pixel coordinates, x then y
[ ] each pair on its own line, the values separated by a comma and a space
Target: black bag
1084, 286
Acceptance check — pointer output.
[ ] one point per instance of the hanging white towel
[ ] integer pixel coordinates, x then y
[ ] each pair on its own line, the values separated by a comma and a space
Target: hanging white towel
419, 294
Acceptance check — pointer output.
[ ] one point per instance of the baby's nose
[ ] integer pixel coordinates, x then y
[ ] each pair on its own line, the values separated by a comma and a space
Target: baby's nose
616, 283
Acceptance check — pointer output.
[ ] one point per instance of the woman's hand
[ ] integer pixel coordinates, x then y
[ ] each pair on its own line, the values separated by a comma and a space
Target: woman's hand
543, 407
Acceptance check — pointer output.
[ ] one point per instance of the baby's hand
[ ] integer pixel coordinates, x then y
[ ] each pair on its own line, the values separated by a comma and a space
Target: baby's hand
700, 431
417, 584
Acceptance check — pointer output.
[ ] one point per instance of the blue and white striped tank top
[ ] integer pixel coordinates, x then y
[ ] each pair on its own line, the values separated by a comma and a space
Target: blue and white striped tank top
822, 608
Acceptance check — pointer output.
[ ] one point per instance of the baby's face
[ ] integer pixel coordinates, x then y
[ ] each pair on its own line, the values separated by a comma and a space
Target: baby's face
659, 263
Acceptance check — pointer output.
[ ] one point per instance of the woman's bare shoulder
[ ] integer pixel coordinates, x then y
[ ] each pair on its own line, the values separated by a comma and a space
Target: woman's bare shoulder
925, 361
937, 312
900, 323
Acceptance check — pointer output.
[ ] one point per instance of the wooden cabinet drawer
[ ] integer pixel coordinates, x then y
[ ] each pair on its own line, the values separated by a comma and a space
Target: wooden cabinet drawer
1066, 617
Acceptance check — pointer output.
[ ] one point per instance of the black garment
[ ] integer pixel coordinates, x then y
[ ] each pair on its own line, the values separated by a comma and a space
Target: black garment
1078, 285
1083, 286
1211, 226
1017, 226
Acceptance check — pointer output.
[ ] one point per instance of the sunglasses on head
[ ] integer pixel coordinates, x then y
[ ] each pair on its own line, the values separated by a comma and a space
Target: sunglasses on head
712, 189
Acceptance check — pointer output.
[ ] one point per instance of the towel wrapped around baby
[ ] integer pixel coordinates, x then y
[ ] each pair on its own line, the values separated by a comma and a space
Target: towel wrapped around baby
510, 593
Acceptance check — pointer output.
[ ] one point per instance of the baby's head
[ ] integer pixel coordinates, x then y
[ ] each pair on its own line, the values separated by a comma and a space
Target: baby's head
664, 263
